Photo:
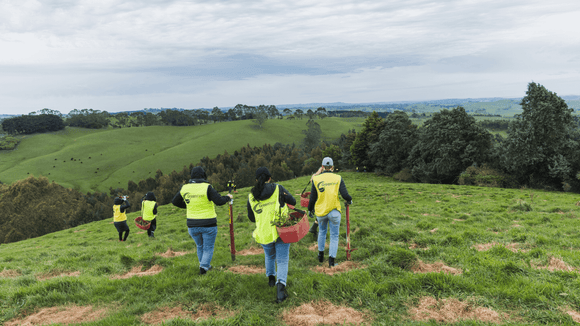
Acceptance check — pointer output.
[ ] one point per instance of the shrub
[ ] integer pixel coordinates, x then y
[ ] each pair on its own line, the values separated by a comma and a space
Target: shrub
8, 143
485, 176
405, 175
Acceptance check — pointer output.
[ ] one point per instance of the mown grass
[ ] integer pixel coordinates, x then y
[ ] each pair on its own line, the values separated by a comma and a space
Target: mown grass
120, 155
387, 218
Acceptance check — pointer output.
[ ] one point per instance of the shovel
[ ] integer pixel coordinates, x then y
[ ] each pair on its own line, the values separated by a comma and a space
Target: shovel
348, 249
232, 241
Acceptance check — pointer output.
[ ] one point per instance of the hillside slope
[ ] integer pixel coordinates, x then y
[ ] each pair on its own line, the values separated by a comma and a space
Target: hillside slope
501, 255
90, 160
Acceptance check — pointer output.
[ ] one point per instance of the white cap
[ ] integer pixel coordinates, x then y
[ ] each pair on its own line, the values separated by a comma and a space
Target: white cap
327, 161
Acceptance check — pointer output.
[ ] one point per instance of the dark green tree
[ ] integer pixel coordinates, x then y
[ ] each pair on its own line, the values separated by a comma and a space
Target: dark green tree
372, 128
449, 142
395, 142
313, 135
540, 148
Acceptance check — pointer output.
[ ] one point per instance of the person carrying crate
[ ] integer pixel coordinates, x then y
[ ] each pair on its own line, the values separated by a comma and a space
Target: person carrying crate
265, 201
149, 211
324, 203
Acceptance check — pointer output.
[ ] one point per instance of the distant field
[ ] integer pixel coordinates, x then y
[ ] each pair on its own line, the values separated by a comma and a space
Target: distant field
90, 160
458, 255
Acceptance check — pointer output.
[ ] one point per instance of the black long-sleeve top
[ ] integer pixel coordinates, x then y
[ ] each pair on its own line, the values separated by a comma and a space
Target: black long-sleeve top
284, 197
212, 195
314, 194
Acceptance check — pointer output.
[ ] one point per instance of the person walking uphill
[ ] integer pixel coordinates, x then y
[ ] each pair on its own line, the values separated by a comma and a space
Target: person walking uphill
265, 202
325, 204
120, 205
200, 198
149, 211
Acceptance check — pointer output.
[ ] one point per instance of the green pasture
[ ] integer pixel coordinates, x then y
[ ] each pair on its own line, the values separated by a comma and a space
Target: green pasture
111, 157
442, 223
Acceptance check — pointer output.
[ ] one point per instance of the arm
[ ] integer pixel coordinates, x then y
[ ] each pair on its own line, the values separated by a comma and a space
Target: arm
124, 207
178, 200
216, 198
313, 198
344, 192
285, 197
251, 215
155, 209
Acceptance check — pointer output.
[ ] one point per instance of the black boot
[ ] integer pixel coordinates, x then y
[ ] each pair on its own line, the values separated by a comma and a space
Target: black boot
314, 228
281, 293
152, 235
271, 280
321, 256
330, 261
202, 271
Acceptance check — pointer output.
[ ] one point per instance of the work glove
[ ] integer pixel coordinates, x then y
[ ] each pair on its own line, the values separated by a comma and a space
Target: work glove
311, 214
348, 203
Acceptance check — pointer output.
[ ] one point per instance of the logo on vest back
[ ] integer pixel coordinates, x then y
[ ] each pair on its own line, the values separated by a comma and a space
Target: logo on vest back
187, 197
259, 207
322, 184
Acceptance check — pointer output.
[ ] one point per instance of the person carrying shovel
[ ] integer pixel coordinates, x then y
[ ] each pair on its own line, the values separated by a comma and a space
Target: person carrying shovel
200, 198
324, 203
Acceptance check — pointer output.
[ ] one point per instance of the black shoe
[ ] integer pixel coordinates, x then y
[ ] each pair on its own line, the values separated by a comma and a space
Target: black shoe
330, 261
314, 228
202, 271
281, 293
321, 256
271, 280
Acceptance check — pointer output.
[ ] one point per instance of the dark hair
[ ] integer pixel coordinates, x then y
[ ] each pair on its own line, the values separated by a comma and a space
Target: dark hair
259, 185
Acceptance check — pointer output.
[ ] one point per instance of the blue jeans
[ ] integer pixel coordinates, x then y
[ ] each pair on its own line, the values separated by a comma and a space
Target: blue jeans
277, 253
333, 218
204, 238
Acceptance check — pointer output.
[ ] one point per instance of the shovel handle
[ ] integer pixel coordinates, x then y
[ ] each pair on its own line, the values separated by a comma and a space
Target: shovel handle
348, 232
232, 241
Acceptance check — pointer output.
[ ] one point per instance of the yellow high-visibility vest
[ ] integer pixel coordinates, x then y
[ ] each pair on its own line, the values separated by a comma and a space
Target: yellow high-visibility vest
266, 211
147, 210
199, 207
327, 187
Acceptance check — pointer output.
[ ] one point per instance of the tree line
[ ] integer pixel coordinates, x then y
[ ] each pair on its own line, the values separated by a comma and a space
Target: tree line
541, 150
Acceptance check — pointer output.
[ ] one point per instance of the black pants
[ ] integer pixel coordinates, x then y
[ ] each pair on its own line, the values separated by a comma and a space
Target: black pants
122, 227
152, 227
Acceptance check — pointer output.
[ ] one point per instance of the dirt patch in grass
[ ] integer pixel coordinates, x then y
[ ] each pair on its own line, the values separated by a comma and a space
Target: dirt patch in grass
53, 274
9, 273
486, 246
79, 230
573, 313
170, 253
434, 230
242, 269
556, 264
339, 268
421, 267
416, 246
136, 271
451, 311
323, 312
250, 251
204, 311
62, 315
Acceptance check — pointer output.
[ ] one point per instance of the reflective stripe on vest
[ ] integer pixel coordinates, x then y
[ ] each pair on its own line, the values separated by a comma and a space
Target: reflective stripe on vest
199, 207
266, 211
147, 210
327, 187
117, 215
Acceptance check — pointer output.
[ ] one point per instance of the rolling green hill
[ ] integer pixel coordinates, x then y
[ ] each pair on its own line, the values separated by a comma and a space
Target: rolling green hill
91, 160
506, 256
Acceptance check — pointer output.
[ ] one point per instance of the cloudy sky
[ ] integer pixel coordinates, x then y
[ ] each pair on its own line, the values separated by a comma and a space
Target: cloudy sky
127, 55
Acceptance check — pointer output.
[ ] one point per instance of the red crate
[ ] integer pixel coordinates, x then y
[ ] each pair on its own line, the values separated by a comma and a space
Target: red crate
142, 224
291, 234
304, 199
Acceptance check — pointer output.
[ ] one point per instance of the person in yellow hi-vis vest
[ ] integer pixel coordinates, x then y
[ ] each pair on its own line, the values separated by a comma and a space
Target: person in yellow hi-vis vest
265, 202
200, 198
120, 205
325, 204
149, 211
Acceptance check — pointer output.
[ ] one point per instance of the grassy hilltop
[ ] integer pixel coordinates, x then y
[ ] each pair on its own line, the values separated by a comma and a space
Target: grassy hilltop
109, 158
487, 255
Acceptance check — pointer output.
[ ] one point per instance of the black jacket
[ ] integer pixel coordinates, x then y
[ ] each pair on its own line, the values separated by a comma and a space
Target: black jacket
212, 195
124, 204
314, 194
284, 197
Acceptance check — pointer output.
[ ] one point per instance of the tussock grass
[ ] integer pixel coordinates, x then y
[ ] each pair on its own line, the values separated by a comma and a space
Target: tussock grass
528, 273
